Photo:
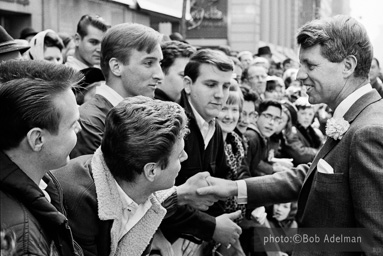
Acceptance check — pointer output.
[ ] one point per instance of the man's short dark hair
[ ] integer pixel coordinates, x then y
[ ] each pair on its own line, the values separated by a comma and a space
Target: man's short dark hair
121, 39
172, 50
339, 37
27, 91
88, 20
264, 105
207, 56
138, 131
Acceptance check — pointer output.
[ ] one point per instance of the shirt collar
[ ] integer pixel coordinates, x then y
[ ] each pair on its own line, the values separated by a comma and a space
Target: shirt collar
43, 186
346, 104
108, 93
199, 119
127, 202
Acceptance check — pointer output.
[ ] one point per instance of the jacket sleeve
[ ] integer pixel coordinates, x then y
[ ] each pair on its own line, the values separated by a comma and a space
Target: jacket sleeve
89, 138
280, 187
187, 222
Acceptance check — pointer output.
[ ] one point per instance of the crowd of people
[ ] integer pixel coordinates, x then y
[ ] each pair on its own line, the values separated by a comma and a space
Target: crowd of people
121, 141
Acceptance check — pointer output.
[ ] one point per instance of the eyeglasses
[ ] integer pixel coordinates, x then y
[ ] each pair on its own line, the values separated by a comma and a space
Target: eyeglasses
269, 117
259, 77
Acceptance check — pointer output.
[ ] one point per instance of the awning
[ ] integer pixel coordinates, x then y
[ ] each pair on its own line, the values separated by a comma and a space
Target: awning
131, 3
171, 8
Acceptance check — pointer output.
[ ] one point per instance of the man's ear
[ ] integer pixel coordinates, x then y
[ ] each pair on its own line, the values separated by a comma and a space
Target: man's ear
350, 63
77, 39
151, 171
187, 84
115, 66
35, 139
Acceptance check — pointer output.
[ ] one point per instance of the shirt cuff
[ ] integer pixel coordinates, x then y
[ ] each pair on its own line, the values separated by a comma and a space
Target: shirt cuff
242, 192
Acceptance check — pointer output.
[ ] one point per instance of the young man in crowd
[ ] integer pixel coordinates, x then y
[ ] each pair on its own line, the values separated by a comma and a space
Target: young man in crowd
130, 61
175, 57
90, 31
266, 122
206, 82
39, 118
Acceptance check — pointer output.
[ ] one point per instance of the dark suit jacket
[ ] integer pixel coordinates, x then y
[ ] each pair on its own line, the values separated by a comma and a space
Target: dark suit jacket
351, 197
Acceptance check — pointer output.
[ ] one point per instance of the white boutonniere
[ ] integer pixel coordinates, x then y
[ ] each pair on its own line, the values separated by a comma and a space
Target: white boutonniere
336, 128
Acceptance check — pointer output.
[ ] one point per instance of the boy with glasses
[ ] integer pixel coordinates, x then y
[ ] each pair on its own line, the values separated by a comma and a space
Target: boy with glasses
266, 122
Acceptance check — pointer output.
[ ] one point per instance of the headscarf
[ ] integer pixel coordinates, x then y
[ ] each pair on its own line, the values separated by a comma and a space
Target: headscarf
36, 52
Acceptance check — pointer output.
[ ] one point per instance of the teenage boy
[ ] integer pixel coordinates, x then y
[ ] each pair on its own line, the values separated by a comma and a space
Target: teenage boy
90, 31
266, 122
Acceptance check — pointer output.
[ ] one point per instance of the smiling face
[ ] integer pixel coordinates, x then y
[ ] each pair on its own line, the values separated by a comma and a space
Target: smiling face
168, 175
141, 75
268, 121
228, 117
209, 92
57, 147
322, 78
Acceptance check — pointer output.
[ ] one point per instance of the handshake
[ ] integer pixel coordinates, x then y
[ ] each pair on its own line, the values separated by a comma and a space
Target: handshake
202, 190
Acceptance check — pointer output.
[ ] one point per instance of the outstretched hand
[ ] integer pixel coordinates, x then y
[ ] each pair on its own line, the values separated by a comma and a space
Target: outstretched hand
187, 192
220, 189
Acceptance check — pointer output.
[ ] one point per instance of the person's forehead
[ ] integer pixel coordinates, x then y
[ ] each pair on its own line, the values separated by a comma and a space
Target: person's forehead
257, 70
207, 71
155, 53
272, 110
92, 31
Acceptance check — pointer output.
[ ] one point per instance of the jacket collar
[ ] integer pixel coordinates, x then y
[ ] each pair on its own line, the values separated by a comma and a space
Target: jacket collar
110, 208
186, 105
357, 108
15, 182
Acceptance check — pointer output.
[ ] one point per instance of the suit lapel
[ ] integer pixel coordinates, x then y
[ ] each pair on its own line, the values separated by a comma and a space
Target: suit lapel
350, 116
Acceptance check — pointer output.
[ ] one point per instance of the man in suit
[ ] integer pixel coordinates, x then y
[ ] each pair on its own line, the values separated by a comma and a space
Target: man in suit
344, 184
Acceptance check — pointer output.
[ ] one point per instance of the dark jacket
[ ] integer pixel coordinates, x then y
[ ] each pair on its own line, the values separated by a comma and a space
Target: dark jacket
211, 159
258, 153
161, 95
39, 226
93, 234
92, 120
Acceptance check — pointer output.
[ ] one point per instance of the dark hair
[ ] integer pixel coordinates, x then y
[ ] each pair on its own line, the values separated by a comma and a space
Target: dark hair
53, 40
271, 85
172, 50
121, 39
207, 56
87, 20
339, 37
264, 105
249, 95
66, 38
138, 131
28, 89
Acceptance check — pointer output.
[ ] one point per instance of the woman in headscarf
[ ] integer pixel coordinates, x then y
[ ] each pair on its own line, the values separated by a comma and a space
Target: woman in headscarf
46, 45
